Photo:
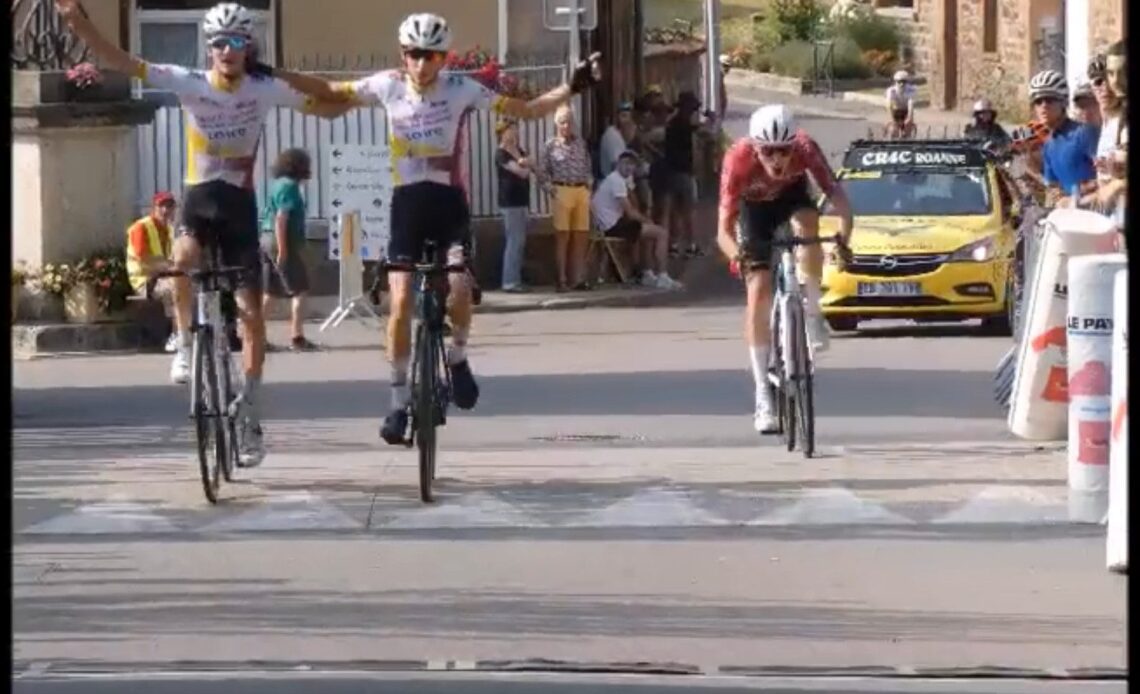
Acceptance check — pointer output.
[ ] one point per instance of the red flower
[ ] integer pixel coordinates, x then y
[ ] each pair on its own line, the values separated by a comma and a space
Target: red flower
100, 264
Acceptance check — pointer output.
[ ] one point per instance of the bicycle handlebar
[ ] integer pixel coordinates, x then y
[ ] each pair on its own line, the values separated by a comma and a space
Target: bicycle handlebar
793, 241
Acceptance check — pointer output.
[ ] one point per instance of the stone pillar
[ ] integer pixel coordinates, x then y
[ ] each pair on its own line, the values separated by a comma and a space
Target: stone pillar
74, 165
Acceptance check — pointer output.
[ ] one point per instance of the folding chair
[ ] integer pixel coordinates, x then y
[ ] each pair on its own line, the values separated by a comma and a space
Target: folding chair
613, 251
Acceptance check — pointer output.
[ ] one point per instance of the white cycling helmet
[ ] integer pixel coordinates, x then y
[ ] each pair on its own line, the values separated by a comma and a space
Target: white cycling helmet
725, 60
983, 105
773, 125
426, 31
228, 18
1048, 83
902, 76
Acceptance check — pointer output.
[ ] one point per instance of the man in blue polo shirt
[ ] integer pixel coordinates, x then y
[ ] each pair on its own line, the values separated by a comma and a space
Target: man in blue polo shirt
1069, 156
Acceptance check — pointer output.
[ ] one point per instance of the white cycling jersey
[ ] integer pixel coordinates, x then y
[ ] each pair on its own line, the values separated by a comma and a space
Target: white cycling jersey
223, 118
424, 129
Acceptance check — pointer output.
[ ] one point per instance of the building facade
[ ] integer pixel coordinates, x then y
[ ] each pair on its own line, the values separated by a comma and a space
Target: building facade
970, 49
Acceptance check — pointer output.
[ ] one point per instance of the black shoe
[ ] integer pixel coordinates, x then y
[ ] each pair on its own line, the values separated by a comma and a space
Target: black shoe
476, 295
235, 342
464, 389
301, 344
395, 427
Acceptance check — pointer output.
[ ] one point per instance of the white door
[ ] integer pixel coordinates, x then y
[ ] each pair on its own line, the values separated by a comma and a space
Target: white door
1076, 39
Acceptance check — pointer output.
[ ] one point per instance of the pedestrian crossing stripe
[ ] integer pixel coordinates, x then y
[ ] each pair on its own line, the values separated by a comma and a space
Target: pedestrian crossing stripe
654, 507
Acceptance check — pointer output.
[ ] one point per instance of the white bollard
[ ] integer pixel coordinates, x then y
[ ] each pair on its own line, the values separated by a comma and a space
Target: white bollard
1117, 540
1039, 406
1089, 340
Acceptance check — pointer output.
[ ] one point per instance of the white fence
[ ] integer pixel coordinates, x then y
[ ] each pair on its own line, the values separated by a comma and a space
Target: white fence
162, 152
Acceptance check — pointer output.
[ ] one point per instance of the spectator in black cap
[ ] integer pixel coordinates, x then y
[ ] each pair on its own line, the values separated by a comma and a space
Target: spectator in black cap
681, 191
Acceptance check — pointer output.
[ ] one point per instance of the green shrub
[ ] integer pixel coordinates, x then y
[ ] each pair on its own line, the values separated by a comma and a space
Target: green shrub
795, 59
796, 20
871, 32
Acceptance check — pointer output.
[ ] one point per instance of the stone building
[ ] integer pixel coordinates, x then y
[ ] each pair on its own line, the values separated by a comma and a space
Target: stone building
969, 49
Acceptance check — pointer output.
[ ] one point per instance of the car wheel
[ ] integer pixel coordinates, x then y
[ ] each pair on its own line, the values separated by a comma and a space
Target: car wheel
843, 325
1002, 325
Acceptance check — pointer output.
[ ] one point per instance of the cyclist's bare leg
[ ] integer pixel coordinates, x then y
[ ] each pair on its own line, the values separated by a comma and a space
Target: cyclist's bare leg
459, 311
758, 289
252, 317
186, 254
399, 334
805, 224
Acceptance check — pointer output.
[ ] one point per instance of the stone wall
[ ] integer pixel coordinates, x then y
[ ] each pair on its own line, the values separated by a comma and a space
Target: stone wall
1106, 23
999, 75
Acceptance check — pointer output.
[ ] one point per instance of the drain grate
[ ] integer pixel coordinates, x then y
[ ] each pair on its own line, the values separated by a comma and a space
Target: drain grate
585, 438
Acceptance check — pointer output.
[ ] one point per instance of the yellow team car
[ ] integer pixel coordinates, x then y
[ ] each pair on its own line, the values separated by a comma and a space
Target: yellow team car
934, 236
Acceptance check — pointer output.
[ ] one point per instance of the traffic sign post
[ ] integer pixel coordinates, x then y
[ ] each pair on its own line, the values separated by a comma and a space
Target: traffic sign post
358, 183
558, 15
359, 178
346, 238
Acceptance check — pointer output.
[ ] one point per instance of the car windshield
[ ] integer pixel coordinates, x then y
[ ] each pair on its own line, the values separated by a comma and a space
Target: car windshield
917, 193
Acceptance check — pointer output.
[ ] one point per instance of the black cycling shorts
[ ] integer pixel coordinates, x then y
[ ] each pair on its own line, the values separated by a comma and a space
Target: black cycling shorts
222, 213
759, 221
429, 210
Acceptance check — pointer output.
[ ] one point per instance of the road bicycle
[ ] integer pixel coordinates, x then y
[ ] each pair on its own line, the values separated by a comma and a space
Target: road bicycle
215, 380
430, 380
791, 364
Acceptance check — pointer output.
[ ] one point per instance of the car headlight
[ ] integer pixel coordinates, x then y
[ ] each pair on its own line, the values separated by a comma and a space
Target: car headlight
975, 252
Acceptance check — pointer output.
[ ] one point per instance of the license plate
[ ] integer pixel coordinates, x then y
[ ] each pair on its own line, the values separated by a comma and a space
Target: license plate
890, 289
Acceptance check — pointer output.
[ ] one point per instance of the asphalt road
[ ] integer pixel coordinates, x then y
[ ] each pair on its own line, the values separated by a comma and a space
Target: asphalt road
533, 684
607, 501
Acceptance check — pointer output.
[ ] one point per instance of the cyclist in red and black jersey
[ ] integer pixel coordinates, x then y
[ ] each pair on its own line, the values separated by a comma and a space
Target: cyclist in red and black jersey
764, 184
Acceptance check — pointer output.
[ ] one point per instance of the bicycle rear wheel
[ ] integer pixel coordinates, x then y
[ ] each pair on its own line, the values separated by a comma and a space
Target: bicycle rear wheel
227, 386
209, 424
427, 371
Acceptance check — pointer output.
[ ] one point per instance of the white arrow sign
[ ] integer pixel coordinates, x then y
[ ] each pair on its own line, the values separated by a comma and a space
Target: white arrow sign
358, 177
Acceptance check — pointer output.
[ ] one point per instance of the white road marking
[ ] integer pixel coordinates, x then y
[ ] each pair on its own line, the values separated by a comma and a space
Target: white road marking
302, 511
1008, 504
106, 518
832, 506
652, 508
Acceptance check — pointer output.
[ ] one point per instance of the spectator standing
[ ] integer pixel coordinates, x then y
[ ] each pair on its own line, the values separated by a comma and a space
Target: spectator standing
283, 240
514, 170
653, 144
1086, 108
149, 242
1112, 153
1070, 151
681, 190
617, 217
566, 176
616, 139
725, 63
986, 127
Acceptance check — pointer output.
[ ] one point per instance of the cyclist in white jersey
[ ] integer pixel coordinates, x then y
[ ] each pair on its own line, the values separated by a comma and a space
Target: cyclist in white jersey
426, 113
225, 109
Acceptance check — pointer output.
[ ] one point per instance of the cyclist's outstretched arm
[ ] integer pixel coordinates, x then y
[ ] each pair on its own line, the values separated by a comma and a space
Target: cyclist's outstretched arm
733, 177
110, 55
321, 90
584, 76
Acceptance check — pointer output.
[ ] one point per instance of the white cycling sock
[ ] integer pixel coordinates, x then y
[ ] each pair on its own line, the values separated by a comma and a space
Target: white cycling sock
759, 358
457, 351
185, 339
399, 383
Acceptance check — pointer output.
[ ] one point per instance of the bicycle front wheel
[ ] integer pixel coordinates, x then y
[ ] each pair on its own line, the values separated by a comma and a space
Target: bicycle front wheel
427, 373
209, 423
805, 391
792, 325
228, 386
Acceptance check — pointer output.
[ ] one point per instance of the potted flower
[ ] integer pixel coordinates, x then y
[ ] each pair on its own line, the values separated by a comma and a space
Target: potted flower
95, 287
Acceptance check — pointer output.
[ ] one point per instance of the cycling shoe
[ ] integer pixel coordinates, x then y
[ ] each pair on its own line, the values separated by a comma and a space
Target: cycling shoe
464, 390
395, 428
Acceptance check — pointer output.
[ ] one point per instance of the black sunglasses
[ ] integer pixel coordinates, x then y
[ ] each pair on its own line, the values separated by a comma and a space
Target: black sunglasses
422, 54
1046, 100
237, 43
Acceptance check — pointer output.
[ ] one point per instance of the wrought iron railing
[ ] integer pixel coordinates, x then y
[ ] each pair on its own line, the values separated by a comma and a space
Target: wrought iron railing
41, 40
